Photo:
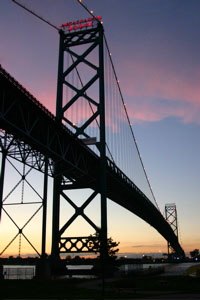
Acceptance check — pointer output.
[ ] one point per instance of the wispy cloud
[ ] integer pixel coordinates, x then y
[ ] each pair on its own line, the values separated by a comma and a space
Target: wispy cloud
147, 246
154, 91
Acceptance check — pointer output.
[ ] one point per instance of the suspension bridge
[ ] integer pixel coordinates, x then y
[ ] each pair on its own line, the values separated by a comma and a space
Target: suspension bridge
88, 144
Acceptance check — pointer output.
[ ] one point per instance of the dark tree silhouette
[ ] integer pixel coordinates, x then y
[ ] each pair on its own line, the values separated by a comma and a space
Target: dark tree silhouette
112, 246
194, 253
107, 266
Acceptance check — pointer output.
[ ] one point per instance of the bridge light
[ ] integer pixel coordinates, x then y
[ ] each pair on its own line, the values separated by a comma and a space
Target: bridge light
80, 24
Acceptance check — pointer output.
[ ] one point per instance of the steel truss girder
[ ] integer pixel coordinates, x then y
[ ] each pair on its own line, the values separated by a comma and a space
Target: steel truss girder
22, 115
22, 152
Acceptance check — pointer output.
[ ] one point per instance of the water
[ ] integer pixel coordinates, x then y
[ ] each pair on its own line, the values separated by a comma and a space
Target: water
177, 269
172, 269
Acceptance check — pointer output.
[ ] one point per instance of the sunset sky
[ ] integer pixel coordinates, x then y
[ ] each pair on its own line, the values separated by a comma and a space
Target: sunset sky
155, 47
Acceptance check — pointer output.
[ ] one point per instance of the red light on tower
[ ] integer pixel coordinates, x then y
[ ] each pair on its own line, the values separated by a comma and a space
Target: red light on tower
81, 24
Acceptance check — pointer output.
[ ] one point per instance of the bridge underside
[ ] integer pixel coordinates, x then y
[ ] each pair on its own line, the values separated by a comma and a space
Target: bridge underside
27, 120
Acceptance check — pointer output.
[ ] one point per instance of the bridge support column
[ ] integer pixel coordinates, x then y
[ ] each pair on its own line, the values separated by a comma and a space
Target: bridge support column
77, 51
44, 210
56, 216
3, 164
104, 249
19, 163
171, 217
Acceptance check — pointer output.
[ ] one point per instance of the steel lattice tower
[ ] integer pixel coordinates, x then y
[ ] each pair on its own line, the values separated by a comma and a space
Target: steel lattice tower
91, 42
20, 158
171, 217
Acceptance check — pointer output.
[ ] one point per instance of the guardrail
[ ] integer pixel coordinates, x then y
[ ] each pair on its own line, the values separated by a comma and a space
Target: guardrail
19, 272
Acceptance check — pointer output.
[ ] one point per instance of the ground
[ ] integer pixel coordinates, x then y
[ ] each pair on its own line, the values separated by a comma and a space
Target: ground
134, 287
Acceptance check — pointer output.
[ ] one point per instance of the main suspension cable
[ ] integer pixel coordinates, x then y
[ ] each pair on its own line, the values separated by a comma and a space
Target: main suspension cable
35, 14
128, 119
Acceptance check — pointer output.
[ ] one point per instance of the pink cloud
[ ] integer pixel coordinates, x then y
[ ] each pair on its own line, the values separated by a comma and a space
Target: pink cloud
153, 112
153, 83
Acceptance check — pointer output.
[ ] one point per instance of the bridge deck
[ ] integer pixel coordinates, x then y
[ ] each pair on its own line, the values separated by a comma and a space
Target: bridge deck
24, 117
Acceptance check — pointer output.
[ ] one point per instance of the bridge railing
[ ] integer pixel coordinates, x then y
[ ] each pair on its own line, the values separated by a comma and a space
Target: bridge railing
30, 96
25, 91
125, 178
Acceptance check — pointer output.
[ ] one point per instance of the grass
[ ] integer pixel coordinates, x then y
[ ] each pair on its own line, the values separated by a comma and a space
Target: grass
134, 287
158, 283
194, 271
42, 289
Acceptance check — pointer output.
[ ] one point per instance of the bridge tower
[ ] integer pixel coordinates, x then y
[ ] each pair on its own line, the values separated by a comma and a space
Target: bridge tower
81, 46
171, 218
20, 162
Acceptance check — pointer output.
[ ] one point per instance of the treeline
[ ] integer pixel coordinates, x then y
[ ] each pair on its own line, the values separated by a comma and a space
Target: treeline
84, 260
77, 260
11, 260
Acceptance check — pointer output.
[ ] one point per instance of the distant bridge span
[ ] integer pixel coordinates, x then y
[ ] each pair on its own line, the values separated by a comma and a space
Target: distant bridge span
29, 121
